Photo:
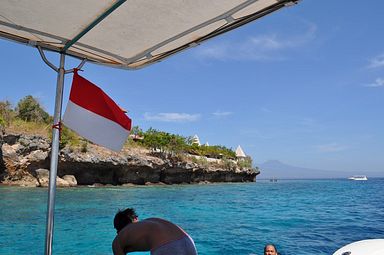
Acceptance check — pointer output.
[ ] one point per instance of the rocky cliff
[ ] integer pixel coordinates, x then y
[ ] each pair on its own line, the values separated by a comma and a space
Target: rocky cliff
24, 160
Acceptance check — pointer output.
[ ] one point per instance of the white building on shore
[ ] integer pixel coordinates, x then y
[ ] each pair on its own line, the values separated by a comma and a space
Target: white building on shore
240, 153
196, 140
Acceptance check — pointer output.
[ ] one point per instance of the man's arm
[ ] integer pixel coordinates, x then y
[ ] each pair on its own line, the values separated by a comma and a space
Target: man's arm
116, 247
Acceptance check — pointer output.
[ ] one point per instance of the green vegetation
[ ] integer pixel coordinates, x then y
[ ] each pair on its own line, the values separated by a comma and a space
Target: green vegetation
216, 151
201, 161
68, 137
163, 142
84, 147
171, 144
25, 127
245, 163
29, 117
29, 109
6, 113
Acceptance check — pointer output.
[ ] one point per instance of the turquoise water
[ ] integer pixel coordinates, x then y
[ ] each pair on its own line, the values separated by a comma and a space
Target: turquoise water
299, 216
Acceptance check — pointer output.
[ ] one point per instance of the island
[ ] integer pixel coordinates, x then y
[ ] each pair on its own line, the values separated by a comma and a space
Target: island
148, 157
25, 160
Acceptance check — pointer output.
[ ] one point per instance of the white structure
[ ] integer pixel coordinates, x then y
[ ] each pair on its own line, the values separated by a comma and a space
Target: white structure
240, 153
196, 140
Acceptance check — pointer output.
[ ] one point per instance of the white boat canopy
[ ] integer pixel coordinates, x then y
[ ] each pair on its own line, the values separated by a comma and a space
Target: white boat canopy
135, 33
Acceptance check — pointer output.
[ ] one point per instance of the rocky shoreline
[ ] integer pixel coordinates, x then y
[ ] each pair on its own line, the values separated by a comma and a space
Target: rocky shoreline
25, 160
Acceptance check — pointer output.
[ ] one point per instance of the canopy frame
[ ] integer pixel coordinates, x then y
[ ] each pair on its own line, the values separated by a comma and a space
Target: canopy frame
146, 56
56, 127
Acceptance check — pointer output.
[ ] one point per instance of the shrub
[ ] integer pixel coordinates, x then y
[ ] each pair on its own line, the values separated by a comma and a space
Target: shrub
29, 109
6, 113
228, 164
68, 137
136, 130
84, 147
211, 151
245, 163
201, 161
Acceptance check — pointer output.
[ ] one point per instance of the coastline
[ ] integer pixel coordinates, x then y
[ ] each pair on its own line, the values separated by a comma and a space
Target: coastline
25, 161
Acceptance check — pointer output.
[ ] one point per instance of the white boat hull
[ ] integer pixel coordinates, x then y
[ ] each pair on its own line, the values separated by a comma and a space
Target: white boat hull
358, 178
363, 247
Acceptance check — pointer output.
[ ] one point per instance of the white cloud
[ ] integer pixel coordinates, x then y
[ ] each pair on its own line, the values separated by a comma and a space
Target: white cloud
331, 147
379, 82
221, 114
376, 62
257, 48
265, 110
172, 117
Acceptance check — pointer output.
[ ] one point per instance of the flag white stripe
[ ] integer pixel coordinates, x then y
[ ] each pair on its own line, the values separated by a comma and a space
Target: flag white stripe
94, 127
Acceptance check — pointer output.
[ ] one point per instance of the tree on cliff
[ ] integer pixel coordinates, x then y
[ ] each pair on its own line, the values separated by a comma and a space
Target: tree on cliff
29, 109
176, 144
164, 142
6, 113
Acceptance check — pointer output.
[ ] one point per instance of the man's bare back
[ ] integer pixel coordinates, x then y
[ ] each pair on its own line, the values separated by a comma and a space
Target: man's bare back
153, 234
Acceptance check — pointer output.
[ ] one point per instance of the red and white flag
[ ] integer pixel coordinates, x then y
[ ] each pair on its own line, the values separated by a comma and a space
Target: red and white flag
94, 115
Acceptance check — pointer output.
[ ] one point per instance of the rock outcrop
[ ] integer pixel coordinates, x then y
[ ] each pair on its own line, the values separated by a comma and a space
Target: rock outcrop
25, 159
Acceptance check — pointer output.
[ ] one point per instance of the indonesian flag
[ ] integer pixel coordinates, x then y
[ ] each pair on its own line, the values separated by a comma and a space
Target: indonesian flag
94, 115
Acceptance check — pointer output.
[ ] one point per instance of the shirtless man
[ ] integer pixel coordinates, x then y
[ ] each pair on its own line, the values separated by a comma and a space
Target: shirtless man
159, 236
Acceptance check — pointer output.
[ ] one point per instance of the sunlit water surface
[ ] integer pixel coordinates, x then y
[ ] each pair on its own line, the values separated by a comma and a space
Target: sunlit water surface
300, 216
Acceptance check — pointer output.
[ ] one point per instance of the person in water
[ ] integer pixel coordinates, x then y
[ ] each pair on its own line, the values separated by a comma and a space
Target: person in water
156, 235
270, 249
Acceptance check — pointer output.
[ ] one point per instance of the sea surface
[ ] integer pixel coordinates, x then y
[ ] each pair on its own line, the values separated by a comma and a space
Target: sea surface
300, 216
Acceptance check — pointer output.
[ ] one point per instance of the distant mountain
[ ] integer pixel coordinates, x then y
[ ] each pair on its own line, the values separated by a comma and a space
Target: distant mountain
276, 169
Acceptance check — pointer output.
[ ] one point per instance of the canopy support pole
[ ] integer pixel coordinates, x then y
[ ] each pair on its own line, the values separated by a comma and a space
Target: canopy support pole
56, 127
57, 122
54, 156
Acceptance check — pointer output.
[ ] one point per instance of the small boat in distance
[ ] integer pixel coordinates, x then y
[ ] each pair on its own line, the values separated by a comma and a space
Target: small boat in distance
358, 178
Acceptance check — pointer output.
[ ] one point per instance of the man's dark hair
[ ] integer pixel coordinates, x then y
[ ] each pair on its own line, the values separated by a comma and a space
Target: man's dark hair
271, 244
123, 218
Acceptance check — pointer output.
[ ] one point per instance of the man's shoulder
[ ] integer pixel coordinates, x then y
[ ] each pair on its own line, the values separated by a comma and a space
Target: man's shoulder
154, 220
157, 221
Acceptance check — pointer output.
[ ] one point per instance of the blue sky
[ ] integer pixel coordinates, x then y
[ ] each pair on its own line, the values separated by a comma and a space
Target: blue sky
304, 85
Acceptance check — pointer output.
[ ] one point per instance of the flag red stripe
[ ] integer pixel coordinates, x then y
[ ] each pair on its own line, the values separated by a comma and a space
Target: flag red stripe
93, 127
87, 95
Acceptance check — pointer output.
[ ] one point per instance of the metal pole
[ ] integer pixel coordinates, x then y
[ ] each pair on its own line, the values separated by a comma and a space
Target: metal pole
54, 156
